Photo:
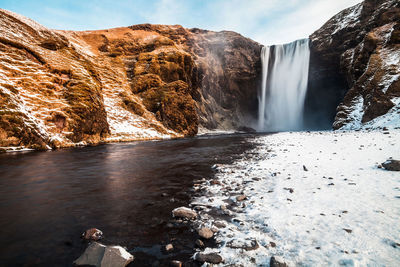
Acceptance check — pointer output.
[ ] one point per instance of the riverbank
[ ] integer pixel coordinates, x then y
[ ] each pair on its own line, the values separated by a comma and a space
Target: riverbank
309, 197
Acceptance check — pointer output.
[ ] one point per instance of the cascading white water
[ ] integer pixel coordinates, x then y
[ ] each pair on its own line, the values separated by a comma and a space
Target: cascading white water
284, 86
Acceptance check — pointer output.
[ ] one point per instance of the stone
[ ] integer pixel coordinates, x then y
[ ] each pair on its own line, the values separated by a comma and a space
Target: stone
219, 224
348, 230
213, 257
169, 248
183, 212
247, 245
205, 233
305, 168
92, 255
391, 165
176, 264
92, 234
241, 198
116, 256
199, 243
277, 262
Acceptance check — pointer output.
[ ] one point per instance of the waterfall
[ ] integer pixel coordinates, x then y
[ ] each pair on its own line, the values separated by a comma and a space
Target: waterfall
283, 86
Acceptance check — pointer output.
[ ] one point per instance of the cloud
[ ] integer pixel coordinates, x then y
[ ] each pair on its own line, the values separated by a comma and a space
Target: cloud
266, 21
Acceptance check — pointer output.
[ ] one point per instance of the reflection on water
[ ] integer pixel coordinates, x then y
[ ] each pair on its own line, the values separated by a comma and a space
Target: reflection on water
48, 198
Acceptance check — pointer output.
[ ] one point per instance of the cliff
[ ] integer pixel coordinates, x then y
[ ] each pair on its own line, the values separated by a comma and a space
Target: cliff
355, 64
65, 88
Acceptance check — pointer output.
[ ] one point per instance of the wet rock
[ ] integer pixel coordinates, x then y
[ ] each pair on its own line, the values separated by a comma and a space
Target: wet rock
214, 258
92, 255
277, 262
245, 244
241, 198
169, 248
199, 243
92, 234
176, 264
116, 256
391, 165
206, 233
183, 212
219, 224
215, 182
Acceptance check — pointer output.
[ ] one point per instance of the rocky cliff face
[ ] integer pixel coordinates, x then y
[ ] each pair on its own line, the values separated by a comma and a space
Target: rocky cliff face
63, 88
355, 61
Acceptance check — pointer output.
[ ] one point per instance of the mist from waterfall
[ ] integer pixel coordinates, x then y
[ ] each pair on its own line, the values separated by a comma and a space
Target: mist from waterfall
284, 86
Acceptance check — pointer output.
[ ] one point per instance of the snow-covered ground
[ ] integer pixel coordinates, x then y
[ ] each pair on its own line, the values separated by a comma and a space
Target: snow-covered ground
339, 209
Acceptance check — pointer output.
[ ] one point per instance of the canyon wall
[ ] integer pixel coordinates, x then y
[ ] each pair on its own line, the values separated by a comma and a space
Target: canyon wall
355, 65
66, 88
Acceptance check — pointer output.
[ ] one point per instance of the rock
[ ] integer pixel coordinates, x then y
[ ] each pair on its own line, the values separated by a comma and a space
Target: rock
346, 70
92, 234
176, 264
219, 224
208, 257
205, 233
199, 243
176, 80
169, 248
116, 256
391, 165
277, 262
247, 245
241, 198
183, 212
305, 168
348, 230
92, 255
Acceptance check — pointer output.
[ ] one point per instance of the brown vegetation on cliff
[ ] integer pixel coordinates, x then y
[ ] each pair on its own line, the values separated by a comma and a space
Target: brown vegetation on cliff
60, 88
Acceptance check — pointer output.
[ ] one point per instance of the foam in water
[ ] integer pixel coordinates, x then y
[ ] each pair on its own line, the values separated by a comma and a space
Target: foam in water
284, 86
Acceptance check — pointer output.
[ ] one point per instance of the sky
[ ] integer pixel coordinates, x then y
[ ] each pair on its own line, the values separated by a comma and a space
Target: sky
265, 21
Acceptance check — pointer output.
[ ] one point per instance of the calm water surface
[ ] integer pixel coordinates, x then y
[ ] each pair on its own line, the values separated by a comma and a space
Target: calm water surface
47, 199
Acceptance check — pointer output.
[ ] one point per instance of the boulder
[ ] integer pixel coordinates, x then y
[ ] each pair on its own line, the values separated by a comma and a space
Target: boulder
116, 256
176, 264
92, 234
391, 165
241, 198
199, 243
183, 212
213, 257
92, 255
277, 262
205, 233
169, 248
100, 255
247, 245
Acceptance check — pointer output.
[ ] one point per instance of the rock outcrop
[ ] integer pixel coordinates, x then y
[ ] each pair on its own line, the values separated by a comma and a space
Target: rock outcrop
355, 62
63, 88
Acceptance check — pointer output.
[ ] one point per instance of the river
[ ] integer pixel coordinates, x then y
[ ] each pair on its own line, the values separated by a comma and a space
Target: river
47, 199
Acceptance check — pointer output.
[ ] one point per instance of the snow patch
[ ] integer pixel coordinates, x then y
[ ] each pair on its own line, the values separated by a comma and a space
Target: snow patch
348, 20
342, 211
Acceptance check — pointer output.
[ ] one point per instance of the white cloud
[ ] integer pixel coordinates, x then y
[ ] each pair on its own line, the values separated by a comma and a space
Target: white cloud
266, 21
